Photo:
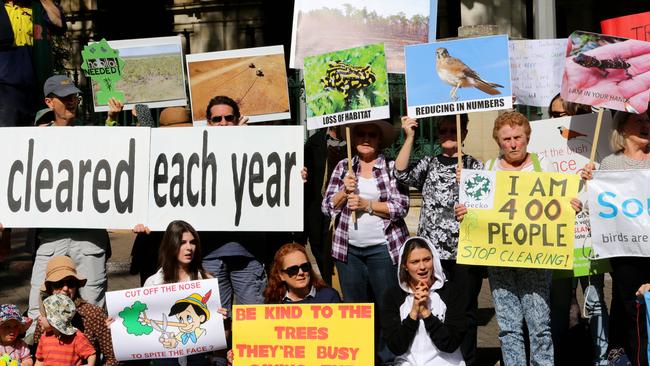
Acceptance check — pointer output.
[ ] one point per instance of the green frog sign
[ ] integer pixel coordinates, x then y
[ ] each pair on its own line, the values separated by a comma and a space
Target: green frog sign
103, 65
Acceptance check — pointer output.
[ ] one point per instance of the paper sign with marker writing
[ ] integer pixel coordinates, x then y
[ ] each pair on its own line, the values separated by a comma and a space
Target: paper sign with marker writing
517, 219
635, 26
619, 214
608, 72
536, 70
166, 321
305, 334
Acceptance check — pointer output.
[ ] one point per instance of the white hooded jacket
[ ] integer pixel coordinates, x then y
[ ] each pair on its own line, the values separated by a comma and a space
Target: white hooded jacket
422, 350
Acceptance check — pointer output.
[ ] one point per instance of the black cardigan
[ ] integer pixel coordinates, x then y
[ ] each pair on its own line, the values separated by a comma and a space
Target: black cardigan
447, 336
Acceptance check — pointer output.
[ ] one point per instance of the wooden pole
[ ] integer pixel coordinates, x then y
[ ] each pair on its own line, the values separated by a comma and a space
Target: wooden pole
459, 142
594, 143
349, 146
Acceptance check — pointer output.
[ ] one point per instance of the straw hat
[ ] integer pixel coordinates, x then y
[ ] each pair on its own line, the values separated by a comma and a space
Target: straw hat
175, 117
60, 267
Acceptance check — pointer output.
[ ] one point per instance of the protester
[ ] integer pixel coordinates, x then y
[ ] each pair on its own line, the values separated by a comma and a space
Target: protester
323, 150
62, 278
424, 319
88, 248
180, 261
12, 325
436, 178
366, 250
62, 343
292, 279
565, 311
630, 140
520, 293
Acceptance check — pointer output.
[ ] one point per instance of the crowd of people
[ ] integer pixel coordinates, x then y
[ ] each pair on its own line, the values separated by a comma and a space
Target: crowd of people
426, 304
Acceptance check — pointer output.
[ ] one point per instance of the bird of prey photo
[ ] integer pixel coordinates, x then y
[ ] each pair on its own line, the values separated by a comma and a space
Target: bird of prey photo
455, 73
569, 134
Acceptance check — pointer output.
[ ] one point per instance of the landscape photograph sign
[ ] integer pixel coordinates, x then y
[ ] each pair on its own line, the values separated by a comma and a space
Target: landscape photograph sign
152, 75
255, 78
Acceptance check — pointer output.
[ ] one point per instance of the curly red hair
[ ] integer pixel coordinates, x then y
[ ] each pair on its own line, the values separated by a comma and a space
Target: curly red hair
276, 288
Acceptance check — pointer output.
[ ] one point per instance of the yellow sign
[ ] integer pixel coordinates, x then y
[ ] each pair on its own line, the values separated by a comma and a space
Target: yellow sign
518, 219
305, 334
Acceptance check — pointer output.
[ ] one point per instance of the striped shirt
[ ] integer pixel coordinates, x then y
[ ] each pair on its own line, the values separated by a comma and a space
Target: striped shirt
63, 351
394, 194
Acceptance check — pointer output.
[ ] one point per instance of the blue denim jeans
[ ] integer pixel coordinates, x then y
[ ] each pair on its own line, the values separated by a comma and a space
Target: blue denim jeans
522, 293
242, 276
365, 277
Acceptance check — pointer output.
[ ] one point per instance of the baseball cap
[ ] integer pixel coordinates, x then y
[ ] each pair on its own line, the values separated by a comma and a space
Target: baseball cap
60, 85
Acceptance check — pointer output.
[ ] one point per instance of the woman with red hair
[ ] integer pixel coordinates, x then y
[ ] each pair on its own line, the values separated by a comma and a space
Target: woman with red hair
293, 280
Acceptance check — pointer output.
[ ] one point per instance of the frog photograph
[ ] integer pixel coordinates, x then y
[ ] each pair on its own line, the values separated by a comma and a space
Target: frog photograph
346, 80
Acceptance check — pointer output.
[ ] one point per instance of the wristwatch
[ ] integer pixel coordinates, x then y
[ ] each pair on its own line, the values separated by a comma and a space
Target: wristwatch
369, 208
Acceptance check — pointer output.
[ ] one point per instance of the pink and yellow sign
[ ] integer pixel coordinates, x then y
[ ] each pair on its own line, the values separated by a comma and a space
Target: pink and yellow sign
305, 334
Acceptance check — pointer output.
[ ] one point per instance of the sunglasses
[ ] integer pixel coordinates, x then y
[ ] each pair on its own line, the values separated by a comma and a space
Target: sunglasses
370, 135
447, 131
556, 114
293, 270
68, 283
217, 119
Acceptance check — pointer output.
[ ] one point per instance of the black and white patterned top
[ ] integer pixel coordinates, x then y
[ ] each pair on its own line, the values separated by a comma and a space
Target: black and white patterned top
435, 176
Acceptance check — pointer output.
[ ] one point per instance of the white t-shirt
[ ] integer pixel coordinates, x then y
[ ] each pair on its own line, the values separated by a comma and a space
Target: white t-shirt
369, 228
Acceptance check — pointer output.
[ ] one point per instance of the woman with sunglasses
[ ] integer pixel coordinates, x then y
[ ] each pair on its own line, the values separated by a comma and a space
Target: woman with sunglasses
365, 249
437, 178
293, 280
62, 278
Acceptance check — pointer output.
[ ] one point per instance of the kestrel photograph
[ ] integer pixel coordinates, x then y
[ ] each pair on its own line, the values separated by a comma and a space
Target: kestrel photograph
465, 75
255, 78
149, 61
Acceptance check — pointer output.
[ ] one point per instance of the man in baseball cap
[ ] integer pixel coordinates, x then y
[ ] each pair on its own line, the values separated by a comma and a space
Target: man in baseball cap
63, 98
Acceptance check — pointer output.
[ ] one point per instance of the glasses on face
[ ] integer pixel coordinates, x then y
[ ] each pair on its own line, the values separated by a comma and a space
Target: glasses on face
72, 283
293, 270
556, 114
70, 99
217, 119
444, 131
368, 134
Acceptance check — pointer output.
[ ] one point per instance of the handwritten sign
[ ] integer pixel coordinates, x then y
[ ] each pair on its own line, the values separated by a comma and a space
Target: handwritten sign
536, 70
619, 213
635, 26
165, 321
306, 334
517, 219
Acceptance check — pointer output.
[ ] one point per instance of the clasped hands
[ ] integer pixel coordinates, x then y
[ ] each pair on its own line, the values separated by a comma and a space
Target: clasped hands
420, 308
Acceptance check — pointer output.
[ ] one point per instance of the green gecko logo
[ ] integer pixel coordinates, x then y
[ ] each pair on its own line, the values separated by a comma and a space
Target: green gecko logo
477, 187
102, 64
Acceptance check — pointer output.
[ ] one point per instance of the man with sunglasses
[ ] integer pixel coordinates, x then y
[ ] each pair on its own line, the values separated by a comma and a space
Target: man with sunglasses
235, 258
88, 248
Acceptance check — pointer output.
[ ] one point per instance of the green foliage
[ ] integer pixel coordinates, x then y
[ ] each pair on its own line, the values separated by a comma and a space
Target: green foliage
131, 319
321, 101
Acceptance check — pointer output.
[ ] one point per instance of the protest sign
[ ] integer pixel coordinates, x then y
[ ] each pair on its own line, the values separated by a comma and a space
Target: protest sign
89, 177
152, 74
566, 143
635, 26
517, 219
255, 78
142, 329
322, 26
459, 76
605, 71
536, 70
619, 214
103, 65
305, 334
227, 178
346, 86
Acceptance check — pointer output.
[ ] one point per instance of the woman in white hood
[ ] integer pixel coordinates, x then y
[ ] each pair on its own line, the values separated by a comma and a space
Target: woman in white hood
424, 320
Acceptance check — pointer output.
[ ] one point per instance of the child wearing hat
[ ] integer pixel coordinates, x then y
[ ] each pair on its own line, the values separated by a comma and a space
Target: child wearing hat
14, 351
62, 344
